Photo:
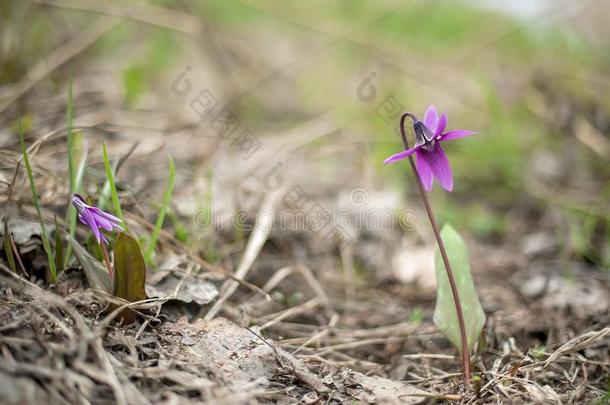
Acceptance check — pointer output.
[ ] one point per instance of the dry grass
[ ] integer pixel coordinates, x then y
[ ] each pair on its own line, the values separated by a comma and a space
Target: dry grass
298, 318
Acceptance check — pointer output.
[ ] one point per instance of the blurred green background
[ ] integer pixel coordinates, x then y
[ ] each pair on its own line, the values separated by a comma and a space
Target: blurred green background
531, 80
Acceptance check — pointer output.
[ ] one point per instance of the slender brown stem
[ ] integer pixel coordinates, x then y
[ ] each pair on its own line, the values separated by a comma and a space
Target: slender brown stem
107, 260
15, 251
441, 247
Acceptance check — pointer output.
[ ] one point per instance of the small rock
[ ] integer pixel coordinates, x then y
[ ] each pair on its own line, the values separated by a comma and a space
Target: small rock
414, 264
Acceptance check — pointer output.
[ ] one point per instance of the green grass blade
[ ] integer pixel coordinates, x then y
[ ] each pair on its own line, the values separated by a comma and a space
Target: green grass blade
180, 231
167, 197
71, 152
105, 195
75, 179
113, 193
80, 173
45, 239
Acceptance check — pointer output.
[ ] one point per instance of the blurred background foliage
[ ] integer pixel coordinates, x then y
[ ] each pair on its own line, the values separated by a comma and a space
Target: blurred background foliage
532, 83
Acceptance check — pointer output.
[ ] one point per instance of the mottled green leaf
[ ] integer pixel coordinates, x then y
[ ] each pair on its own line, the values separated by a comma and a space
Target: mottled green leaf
445, 315
129, 272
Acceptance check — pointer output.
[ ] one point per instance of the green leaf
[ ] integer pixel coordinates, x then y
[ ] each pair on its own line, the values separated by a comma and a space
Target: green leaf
445, 315
76, 179
167, 198
69, 115
105, 194
113, 192
71, 171
45, 238
129, 272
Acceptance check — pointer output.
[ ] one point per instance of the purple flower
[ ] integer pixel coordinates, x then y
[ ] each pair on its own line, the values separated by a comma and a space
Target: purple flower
95, 218
430, 156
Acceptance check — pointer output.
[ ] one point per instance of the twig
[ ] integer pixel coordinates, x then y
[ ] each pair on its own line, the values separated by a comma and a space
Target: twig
353, 345
107, 261
144, 13
69, 50
427, 356
255, 244
15, 252
307, 275
331, 324
433, 378
576, 344
167, 237
290, 312
442, 397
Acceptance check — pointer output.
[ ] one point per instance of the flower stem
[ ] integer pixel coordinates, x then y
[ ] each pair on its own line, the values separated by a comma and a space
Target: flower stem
441, 247
107, 261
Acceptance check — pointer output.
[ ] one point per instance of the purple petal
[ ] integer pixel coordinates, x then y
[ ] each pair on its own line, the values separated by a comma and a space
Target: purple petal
456, 134
401, 155
90, 221
431, 118
114, 221
108, 216
442, 123
423, 169
95, 218
103, 223
440, 167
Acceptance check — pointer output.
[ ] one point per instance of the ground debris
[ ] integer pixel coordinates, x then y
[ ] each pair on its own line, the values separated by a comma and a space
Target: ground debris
380, 390
27, 235
181, 287
53, 347
15, 390
340, 325
576, 288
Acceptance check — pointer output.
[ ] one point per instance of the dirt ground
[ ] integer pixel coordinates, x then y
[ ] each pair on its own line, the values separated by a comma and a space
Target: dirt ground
262, 312
300, 330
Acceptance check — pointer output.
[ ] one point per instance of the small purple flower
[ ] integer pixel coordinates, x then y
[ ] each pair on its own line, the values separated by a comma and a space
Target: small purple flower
95, 218
430, 156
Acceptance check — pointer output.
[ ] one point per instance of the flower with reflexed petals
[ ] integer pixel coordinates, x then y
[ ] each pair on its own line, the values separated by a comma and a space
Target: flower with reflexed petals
431, 160
95, 218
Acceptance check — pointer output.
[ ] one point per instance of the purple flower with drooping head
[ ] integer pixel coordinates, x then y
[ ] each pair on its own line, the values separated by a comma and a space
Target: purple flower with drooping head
430, 156
95, 218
